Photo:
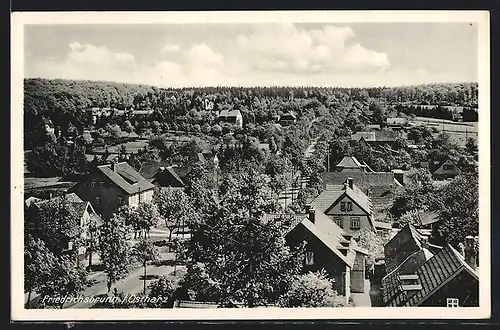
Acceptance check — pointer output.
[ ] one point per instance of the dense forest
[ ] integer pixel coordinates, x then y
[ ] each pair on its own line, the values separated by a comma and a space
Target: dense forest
62, 103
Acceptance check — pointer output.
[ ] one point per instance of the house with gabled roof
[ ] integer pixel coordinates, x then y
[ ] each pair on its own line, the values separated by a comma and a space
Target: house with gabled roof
111, 186
83, 214
330, 248
351, 163
442, 169
164, 175
288, 118
231, 117
346, 205
378, 138
423, 274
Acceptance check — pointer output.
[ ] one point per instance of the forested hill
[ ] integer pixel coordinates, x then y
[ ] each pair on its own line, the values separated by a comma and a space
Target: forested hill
42, 95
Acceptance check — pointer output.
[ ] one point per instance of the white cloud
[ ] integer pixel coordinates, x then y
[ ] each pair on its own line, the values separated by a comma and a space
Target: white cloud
271, 55
287, 48
170, 48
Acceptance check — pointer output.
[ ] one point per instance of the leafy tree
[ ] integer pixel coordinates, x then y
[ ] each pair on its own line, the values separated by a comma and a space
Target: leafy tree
163, 290
373, 243
244, 255
114, 249
57, 219
143, 217
114, 130
91, 238
311, 290
458, 207
67, 279
471, 148
38, 264
175, 208
145, 251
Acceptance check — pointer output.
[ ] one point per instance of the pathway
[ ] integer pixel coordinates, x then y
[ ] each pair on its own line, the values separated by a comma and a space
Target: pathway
362, 299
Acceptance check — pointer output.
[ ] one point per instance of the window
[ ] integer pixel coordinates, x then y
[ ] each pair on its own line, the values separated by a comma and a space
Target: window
342, 206
309, 258
452, 302
119, 200
448, 167
97, 200
102, 184
354, 222
339, 222
349, 206
31, 225
92, 184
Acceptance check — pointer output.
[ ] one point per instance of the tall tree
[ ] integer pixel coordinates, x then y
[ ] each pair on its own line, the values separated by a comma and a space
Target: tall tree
114, 249
458, 207
38, 264
66, 280
145, 251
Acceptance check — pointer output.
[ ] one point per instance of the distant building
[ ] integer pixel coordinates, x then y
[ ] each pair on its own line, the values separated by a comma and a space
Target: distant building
164, 175
350, 163
422, 274
287, 119
378, 138
441, 170
231, 117
110, 186
208, 157
396, 122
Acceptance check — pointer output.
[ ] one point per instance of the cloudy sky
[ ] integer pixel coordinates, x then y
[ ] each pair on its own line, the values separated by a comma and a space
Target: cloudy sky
172, 55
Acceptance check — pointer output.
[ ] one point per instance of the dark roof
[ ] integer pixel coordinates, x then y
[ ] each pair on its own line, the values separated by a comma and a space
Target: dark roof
331, 235
125, 177
288, 115
148, 170
430, 276
363, 180
404, 244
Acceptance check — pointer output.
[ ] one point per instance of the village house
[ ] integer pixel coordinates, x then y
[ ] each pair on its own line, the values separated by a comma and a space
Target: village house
396, 122
442, 170
423, 220
164, 175
233, 117
380, 187
349, 207
423, 274
330, 248
208, 157
287, 119
350, 163
377, 139
111, 186
83, 213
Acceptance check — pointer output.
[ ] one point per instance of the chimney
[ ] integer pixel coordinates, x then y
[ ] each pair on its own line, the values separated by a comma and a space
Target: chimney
312, 214
307, 207
350, 182
470, 252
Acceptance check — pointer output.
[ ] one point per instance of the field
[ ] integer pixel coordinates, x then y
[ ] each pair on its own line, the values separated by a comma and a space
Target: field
459, 132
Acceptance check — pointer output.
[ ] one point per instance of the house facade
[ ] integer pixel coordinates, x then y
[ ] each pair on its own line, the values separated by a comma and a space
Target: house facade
287, 119
233, 117
111, 186
445, 170
329, 248
347, 206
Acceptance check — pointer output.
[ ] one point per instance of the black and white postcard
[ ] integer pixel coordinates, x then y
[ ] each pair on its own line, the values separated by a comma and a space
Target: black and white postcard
256, 165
